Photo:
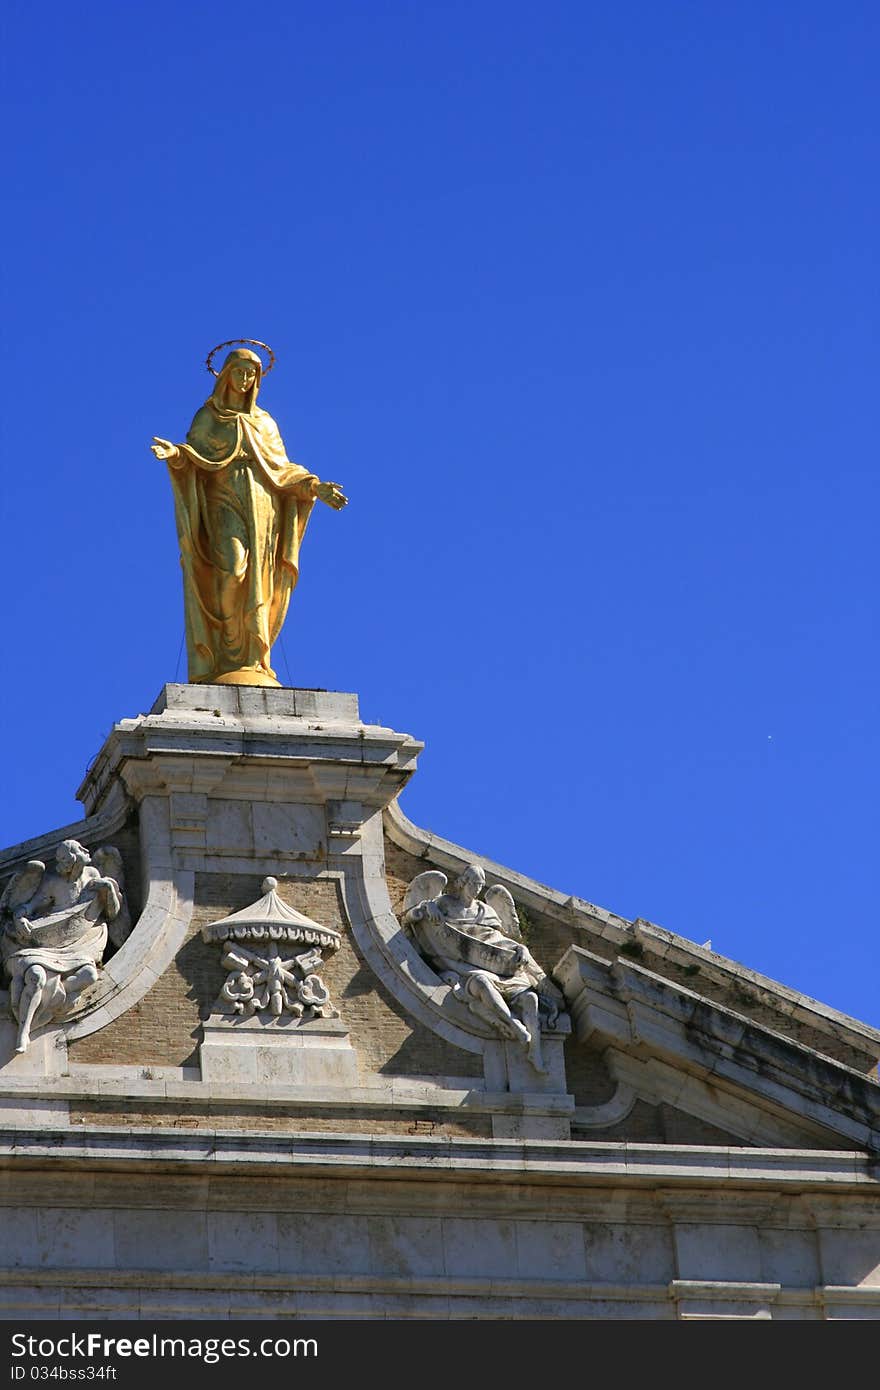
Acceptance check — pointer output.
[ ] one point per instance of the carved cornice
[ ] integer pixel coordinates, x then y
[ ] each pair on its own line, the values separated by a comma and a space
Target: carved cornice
622, 1005
208, 731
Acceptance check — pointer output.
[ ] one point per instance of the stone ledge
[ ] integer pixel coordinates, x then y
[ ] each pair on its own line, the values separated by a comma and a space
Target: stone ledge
425, 1157
351, 1099
483, 1287
725, 1288
353, 1283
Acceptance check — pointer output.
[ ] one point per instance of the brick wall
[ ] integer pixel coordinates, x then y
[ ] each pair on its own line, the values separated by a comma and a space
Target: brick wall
294, 1119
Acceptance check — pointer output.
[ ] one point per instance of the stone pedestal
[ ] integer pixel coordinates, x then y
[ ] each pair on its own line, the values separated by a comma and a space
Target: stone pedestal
259, 1052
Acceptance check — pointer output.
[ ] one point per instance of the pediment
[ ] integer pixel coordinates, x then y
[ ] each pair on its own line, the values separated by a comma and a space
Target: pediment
216, 791
566, 918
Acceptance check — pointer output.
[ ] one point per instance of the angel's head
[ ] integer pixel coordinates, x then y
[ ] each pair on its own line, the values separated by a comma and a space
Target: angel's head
71, 857
470, 883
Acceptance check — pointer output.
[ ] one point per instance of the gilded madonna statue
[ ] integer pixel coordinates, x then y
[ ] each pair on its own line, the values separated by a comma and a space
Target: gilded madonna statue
241, 509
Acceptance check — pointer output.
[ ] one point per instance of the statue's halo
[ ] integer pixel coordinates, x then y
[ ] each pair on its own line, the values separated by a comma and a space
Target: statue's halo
234, 342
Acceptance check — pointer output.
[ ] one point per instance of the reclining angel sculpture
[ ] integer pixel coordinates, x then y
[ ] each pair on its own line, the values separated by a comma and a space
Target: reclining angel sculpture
476, 947
54, 926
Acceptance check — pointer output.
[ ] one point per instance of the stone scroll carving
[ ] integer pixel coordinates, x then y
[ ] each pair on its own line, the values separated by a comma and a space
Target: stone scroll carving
54, 928
476, 947
273, 955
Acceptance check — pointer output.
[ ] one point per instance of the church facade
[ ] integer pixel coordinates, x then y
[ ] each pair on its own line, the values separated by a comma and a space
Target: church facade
267, 1049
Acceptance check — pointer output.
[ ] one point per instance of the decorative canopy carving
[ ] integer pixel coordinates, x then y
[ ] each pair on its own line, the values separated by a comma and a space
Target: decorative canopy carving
273, 955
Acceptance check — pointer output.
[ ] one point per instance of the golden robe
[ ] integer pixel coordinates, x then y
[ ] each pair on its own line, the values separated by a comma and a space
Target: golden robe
241, 509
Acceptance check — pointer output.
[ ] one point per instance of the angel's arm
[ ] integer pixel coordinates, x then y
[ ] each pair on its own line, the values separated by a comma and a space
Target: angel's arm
107, 892
21, 929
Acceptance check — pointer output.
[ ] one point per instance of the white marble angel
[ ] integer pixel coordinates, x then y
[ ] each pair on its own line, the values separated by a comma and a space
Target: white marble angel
54, 926
476, 947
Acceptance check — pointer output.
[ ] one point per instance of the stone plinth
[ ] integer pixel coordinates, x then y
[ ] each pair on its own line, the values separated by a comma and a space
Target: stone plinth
269, 1052
270, 748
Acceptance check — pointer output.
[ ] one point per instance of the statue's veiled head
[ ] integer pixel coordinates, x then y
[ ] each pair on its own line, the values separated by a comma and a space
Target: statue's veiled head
238, 381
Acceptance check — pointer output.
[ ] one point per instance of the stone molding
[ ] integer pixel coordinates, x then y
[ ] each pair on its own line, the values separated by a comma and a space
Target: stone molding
155, 938
93, 830
719, 1172
147, 1292
656, 1082
623, 1006
727, 1300
88, 1084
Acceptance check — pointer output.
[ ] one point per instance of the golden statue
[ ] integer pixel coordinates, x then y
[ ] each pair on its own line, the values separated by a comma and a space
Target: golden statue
241, 509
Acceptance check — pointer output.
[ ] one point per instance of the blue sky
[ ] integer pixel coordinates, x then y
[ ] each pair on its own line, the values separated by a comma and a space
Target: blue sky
579, 301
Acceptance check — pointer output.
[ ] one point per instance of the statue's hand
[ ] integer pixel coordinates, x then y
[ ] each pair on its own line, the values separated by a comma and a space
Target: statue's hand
22, 929
332, 494
163, 448
97, 887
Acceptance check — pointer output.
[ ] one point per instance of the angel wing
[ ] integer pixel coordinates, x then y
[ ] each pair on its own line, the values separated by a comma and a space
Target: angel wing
108, 861
424, 888
22, 886
498, 898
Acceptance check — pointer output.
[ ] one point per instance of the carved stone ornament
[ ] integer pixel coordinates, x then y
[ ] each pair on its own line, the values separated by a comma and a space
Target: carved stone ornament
273, 954
476, 947
54, 926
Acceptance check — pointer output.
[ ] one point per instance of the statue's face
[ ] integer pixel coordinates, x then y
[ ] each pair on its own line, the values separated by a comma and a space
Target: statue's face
242, 376
65, 859
471, 882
